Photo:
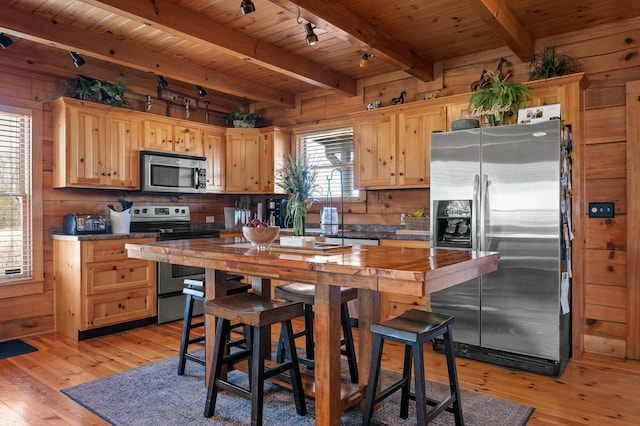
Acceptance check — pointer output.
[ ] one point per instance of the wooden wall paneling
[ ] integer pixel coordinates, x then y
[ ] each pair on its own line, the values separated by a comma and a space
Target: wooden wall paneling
606, 233
608, 190
633, 211
608, 267
605, 124
605, 345
609, 296
605, 160
605, 329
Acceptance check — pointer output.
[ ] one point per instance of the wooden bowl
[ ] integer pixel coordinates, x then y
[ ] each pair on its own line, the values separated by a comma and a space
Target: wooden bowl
261, 236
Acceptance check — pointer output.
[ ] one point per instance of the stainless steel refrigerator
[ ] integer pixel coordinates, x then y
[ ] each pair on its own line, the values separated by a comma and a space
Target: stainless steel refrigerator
507, 189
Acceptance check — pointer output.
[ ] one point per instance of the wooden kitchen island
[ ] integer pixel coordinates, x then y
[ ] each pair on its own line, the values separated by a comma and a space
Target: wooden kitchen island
370, 269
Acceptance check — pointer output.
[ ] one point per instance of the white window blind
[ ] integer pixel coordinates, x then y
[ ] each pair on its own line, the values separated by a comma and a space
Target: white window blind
330, 153
16, 253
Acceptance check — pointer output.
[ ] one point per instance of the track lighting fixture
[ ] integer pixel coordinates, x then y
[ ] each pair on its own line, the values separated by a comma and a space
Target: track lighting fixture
78, 60
162, 83
202, 92
311, 38
5, 41
247, 6
364, 61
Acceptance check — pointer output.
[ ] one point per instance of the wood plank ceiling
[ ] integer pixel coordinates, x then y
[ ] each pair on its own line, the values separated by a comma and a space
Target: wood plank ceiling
262, 57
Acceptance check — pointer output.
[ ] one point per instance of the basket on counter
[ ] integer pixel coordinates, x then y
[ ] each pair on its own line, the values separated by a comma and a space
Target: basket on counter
417, 223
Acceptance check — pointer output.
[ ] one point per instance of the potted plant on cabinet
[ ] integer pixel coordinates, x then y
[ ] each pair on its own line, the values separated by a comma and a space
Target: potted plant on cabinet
297, 179
498, 101
241, 118
98, 91
549, 63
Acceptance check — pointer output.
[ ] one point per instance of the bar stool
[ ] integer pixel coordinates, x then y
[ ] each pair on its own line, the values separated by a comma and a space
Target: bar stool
194, 290
305, 293
258, 314
414, 328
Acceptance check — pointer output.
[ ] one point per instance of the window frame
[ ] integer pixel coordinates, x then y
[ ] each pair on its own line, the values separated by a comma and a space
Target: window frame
23, 286
301, 132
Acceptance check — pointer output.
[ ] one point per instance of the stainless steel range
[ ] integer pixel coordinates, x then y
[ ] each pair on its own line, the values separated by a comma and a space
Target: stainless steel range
171, 223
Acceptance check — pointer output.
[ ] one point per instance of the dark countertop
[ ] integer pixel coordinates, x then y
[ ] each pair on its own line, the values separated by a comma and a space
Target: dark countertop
370, 232
96, 237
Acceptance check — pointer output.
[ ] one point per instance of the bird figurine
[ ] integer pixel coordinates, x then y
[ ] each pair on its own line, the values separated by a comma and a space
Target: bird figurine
399, 99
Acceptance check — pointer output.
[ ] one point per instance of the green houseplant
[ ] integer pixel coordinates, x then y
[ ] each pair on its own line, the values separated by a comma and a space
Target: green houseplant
241, 117
498, 101
297, 179
548, 63
98, 91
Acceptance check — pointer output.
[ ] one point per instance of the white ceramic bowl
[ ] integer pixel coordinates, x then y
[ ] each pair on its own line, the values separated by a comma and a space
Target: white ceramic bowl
261, 236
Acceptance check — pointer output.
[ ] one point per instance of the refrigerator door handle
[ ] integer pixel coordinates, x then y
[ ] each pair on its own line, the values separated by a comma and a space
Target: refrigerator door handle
474, 213
484, 201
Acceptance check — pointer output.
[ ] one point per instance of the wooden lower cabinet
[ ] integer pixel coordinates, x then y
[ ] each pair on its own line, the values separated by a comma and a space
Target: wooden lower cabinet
392, 305
97, 285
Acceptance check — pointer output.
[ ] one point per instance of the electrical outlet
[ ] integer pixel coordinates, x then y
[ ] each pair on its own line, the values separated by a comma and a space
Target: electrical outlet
210, 219
601, 210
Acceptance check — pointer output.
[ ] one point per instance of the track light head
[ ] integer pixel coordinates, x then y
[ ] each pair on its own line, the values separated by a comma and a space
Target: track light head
364, 61
311, 38
247, 7
162, 83
202, 92
5, 40
78, 60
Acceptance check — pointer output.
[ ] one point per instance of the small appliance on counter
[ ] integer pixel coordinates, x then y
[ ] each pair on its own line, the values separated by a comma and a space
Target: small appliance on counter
84, 223
278, 209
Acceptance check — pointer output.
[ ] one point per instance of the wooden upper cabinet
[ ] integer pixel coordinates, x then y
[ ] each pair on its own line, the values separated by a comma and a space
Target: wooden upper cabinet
414, 144
214, 150
275, 145
252, 158
374, 144
172, 135
94, 146
123, 155
242, 153
392, 149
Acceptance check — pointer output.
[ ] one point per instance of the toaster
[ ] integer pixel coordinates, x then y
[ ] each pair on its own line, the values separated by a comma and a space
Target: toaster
84, 223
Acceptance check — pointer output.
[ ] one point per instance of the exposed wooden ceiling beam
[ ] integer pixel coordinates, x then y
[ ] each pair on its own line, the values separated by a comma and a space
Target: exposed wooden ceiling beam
42, 30
497, 15
174, 19
343, 23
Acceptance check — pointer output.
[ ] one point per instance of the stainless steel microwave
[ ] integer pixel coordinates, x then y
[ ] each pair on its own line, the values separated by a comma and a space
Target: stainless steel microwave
175, 173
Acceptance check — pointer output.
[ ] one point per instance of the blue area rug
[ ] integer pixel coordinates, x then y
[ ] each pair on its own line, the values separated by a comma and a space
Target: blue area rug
155, 395
15, 347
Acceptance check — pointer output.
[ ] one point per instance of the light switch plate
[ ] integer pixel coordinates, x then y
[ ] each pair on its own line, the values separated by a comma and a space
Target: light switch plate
602, 210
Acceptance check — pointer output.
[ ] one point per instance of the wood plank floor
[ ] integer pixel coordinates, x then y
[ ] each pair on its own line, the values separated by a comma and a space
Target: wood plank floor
595, 390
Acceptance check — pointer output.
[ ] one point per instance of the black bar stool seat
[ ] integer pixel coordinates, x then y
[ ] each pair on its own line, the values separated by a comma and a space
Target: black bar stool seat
194, 291
258, 314
414, 328
305, 293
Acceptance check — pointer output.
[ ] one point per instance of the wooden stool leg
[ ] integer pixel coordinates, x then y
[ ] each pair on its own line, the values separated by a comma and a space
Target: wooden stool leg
348, 342
406, 387
421, 395
186, 330
374, 374
296, 379
453, 377
257, 374
222, 335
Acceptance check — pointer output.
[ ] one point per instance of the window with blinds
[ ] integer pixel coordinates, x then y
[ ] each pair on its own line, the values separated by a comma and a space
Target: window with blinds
16, 251
330, 154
